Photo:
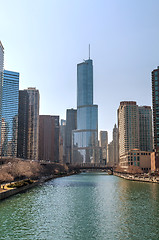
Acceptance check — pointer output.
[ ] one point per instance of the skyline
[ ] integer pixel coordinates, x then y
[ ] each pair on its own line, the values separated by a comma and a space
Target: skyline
54, 38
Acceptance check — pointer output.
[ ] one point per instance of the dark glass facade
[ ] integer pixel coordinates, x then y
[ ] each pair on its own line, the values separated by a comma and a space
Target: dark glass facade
71, 124
85, 138
23, 124
9, 128
155, 103
28, 136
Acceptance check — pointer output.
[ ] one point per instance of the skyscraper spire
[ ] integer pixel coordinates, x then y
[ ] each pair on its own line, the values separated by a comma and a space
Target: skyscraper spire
89, 51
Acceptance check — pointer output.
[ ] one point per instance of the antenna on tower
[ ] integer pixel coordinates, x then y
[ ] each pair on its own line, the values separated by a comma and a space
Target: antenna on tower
89, 51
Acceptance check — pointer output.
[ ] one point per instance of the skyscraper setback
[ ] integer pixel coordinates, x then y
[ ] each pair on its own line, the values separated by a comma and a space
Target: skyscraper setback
85, 138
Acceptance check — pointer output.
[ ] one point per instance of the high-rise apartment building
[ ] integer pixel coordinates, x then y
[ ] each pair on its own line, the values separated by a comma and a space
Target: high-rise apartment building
9, 129
85, 138
28, 120
71, 124
145, 128
128, 124
135, 130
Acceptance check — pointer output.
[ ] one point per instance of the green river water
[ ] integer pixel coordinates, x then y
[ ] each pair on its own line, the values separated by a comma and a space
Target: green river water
83, 207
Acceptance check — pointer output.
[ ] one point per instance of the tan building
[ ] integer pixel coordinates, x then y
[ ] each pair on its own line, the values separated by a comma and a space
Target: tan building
128, 124
136, 157
155, 161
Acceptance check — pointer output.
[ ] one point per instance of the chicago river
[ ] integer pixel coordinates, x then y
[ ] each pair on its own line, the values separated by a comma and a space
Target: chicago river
83, 207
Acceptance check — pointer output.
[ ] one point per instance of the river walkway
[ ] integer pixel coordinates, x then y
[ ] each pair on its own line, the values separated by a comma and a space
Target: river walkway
140, 178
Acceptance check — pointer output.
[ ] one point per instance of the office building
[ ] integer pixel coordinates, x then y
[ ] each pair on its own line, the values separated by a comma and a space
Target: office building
56, 137
103, 142
71, 124
62, 141
28, 120
115, 145
23, 112
110, 154
85, 138
155, 104
9, 128
1, 80
46, 138
145, 128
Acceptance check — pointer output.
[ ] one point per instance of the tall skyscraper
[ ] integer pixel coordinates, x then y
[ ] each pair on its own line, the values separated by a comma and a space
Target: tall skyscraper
103, 142
115, 145
56, 137
28, 137
128, 124
1, 80
71, 124
85, 138
155, 103
9, 129
135, 132
145, 127
23, 112
62, 141
46, 138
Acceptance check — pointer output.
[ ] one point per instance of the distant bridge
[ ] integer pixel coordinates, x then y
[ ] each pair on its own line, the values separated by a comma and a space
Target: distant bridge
91, 166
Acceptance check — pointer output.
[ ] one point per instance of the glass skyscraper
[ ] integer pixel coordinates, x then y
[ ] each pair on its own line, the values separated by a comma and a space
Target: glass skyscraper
85, 138
1, 80
9, 128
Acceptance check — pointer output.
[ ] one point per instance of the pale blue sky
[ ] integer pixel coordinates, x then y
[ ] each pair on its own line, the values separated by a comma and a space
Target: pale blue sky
45, 39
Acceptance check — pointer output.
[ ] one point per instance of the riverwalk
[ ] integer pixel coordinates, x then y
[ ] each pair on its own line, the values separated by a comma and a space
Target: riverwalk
140, 178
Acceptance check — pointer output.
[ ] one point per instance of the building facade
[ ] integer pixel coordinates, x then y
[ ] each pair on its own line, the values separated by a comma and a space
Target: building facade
85, 138
71, 124
62, 141
103, 142
1, 80
28, 137
56, 137
9, 128
115, 145
135, 130
136, 157
23, 111
155, 103
46, 138
128, 125
145, 128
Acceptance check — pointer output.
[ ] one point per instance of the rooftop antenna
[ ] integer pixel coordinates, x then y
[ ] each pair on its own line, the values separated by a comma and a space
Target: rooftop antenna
89, 51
